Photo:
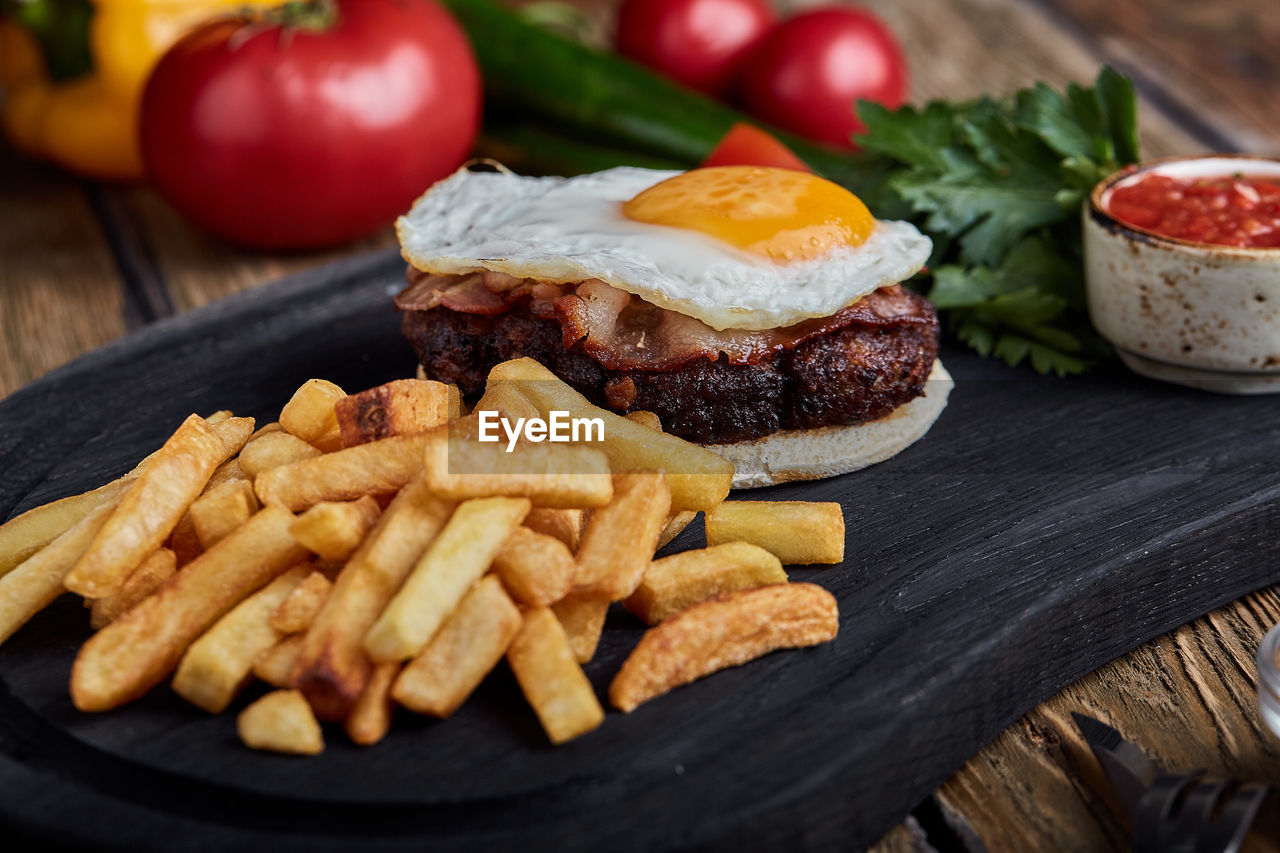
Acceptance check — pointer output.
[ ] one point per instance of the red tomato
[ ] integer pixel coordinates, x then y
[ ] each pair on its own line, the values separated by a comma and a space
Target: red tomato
699, 43
807, 75
291, 137
748, 145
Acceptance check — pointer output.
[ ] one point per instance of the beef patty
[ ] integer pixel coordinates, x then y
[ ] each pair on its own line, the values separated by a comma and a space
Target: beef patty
848, 376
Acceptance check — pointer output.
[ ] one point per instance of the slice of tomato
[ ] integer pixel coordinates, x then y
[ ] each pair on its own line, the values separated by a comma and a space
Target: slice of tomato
747, 145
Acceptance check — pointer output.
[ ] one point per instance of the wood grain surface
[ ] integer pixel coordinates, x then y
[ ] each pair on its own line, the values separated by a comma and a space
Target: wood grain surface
83, 264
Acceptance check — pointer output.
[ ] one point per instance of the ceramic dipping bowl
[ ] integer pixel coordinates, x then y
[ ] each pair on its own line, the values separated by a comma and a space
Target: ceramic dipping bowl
1196, 314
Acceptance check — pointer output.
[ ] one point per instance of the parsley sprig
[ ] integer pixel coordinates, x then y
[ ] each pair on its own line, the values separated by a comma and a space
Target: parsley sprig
998, 185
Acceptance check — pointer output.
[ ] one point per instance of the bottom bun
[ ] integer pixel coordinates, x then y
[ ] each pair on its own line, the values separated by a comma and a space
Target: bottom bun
811, 454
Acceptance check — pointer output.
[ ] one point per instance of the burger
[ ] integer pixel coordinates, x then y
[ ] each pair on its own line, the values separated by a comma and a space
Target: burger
756, 311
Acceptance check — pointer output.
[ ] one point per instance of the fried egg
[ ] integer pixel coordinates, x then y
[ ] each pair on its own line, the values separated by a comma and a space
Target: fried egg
737, 247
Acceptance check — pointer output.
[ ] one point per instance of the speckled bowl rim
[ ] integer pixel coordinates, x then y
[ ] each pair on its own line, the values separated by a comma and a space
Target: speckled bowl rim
1114, 225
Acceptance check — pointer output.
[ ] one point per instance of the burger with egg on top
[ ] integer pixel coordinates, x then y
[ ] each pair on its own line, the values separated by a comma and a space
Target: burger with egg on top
756, 311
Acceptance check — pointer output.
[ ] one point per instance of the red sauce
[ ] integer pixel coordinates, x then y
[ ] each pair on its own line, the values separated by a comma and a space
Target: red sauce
1234, 210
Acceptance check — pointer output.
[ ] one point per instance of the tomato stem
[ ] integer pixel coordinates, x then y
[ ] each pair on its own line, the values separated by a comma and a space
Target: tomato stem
305, 14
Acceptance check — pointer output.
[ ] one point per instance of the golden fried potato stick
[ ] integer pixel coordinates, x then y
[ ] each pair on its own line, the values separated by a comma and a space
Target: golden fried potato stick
220, 661
725, 631
377, 468
273, 449
698, 478
154, 504
506, 399
456, 559
310, 414
465, 650
796, 532
564, 524
221, 509
582, 617
620, 539
142, 581
281, 721
676, 523
535, 569
333, 668
24, 535
552, 475
370, 719
274, 665
334, 529
645, 419
296, 613
681, 580
38, 580
137, 650
400, 407
551, 678
229, 470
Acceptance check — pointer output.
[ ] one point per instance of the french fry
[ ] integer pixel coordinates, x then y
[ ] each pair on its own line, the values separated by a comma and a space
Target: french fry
229, 470
222, 509
698, 478
281, 721
334, 529
137, 650
142, 581
725, 631
219, 416
273, 450
220, 661
310, 414
296, 613
332, 668
564, 524
370, 719
266, 429
551, 475
38, 580
796, 532
620, 539
582, 618
184, 542
24, 535
233, 432
456, 559
276, 663
681, 580
676, 523
507, 399
551, 679
152, 506
379, 467
645, 419
467, 647
535, 569
401, 407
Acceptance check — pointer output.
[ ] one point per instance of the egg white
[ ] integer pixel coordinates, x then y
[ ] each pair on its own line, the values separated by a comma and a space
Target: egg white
573, 229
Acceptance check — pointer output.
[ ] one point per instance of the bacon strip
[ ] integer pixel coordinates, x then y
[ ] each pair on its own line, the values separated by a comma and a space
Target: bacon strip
624, 332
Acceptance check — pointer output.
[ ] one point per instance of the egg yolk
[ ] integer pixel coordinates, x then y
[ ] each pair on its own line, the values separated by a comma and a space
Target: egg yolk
781, 214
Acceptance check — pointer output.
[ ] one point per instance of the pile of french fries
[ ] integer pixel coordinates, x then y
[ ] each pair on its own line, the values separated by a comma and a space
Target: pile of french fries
367, 551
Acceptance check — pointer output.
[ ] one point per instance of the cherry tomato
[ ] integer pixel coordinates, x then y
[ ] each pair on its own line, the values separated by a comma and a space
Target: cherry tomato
286, 136
807, 75
748, 145
699, 43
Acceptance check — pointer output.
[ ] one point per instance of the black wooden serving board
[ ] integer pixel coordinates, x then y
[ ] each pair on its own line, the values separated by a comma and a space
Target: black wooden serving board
1043, 527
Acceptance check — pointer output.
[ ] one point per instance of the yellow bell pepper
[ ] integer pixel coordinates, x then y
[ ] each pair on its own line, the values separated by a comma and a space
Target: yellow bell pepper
90, 124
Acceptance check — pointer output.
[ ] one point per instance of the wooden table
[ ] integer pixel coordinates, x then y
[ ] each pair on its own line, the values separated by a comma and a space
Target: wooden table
84, 263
